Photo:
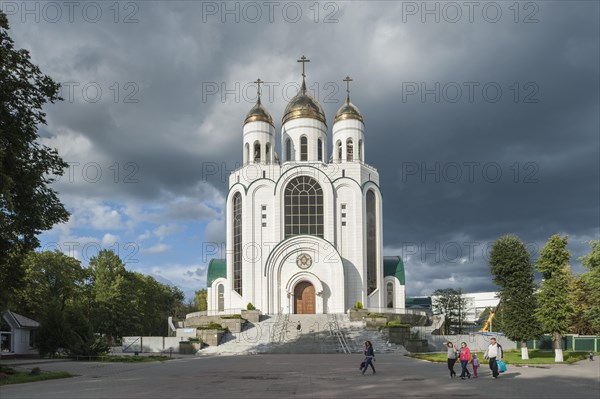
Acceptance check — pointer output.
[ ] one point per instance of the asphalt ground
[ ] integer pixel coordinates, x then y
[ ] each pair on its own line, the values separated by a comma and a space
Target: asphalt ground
301, 376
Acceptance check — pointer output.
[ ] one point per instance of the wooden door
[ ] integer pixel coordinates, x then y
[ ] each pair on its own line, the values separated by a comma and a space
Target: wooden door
304, 298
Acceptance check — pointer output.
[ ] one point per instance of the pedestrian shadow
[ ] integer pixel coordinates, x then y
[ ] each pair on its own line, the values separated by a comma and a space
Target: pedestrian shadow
505, 376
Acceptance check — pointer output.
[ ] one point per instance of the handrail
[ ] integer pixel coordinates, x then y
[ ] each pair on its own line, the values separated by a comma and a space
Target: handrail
334, 328
397, 311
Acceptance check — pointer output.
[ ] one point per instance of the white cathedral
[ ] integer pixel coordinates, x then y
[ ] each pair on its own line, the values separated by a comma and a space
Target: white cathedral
304, 233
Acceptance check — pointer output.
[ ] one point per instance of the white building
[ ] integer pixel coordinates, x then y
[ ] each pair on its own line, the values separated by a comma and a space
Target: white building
476, 303
17, 334
304, 231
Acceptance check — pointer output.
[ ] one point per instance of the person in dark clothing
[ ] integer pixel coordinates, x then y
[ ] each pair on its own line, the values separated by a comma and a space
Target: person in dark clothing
451, 358
369, 357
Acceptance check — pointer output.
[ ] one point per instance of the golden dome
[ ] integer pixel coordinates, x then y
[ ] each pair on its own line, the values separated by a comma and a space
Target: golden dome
303, 105
259, 113
348, 111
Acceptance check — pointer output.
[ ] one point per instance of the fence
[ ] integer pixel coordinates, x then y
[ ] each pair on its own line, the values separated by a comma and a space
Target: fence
397, 311
568, 342
224, 312
150, 344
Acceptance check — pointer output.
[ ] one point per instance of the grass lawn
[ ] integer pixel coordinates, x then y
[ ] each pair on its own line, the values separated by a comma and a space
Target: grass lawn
9, 375
512, 357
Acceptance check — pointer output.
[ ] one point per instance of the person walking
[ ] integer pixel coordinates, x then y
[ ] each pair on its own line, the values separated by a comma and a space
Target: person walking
451, 358
465, 358
369, 357
493, 353
475, 362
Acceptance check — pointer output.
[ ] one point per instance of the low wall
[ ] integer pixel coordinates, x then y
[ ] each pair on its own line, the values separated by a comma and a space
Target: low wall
234, 325
150, 344
475, 342
403, 318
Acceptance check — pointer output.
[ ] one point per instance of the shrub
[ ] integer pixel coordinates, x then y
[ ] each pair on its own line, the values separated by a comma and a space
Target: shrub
212, 326
373, 315
358, 305
35, 371
250, 306
233, 316
396, 323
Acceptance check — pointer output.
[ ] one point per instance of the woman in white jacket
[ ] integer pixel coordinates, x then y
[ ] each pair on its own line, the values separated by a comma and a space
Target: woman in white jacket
493, 353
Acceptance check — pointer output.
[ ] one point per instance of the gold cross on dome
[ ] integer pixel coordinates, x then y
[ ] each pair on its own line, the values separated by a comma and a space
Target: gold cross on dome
303, 60
258, 83
348, 80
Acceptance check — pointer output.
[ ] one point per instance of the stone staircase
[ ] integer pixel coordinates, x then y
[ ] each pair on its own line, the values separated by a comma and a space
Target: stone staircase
318, 334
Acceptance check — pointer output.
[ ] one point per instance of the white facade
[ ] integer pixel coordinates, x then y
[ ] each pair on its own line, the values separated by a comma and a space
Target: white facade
17, 334
304, 230
477, 303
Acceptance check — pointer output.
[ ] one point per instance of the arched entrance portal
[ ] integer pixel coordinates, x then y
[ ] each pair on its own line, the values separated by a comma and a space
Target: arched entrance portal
304, 298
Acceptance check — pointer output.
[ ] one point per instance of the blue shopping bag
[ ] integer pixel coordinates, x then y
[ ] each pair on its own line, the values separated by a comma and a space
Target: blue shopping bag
501, 366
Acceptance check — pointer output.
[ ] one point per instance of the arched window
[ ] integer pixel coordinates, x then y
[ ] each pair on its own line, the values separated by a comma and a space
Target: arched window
349, 150
237, 242
288, 150
268, 152
371, 242
303, 207
320, 150
303, 148
256, 152
360, 144
339, 150
390, 295
220, 298
247, 153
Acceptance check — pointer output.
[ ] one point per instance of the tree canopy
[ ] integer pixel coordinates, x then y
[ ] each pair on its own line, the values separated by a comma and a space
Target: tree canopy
76, 305
554, 301
512, 271
28, 205
453, 305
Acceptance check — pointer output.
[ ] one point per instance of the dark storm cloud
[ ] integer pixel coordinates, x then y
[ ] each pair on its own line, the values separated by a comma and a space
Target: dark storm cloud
541, 134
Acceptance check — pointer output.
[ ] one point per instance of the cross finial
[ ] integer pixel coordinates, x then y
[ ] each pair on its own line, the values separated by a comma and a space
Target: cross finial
258, 83
348, 80
303, 60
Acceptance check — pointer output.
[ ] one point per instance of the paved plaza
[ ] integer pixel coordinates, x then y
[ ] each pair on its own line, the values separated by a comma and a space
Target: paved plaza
304, 376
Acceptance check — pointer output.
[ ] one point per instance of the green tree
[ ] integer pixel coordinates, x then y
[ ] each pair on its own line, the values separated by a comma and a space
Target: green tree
554, 305
200, 299
512, 271
580, 295
113, 296
129, 303
54, 293
453, 305
586, 299
28, 205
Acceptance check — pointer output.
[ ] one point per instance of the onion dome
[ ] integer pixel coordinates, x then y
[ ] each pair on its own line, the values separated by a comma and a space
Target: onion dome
303, 105
259, 113
348, 110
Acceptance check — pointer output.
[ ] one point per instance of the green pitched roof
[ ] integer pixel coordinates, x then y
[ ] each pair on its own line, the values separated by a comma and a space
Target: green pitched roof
217, 268
393, 266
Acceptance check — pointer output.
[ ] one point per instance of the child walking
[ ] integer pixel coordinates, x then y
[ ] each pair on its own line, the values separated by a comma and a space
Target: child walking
475, 363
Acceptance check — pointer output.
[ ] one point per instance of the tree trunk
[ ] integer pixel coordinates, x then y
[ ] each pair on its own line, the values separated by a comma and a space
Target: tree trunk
558, 353
524, 351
